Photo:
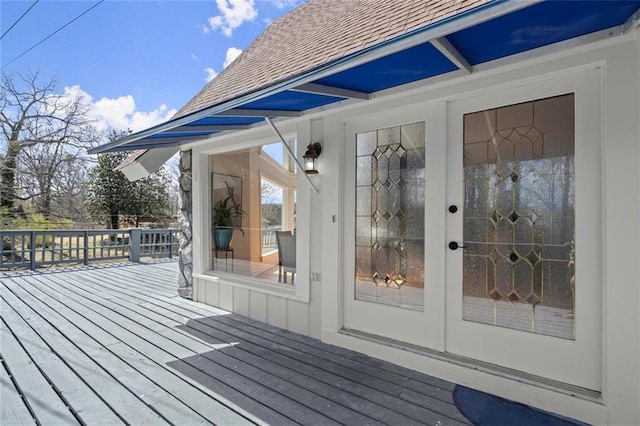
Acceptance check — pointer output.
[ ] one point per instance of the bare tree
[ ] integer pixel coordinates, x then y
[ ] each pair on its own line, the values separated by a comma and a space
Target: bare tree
40, 130
52, 176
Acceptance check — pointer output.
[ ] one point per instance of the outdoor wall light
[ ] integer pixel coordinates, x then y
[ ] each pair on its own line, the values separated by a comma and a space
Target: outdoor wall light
313, 152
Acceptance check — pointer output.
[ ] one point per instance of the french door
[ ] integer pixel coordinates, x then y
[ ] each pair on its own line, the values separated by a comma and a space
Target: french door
472, 227
523, 246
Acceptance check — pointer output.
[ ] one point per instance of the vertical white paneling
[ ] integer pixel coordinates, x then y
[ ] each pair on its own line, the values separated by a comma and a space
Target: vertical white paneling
330, 222
298, 317
241, 301
196, 290
226, 297
315, 310
199, 292
317, 242
201, 241
307, 256
435, 222
212, 295
258, 306
277, 311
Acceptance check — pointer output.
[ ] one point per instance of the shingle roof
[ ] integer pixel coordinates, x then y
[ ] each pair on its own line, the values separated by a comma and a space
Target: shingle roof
316, 33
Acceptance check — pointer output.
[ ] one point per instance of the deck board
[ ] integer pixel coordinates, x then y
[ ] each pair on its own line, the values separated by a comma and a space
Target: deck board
45, 376
350, 394
273, 382
142, 368
412, 383
118, 339
146, 357
86, 361
352, 381
43, 399
416, 379
12, 407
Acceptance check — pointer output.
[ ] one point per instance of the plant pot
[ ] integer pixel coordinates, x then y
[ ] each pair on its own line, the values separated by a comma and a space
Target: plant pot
222, 238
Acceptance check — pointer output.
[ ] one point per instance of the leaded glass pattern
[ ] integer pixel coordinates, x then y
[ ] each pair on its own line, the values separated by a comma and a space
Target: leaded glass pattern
389, 240
518, 267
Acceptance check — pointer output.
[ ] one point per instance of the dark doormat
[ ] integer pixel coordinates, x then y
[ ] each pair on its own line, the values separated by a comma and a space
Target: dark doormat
483, 409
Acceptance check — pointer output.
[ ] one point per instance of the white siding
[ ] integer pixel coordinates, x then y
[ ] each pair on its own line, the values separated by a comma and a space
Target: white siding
226, 297
258, 306
277, 311
283, 312
241, 301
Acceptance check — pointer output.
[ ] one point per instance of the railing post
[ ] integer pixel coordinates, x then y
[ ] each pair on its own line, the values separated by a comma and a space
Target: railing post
134, 244
170, 244
86, 247
32, 251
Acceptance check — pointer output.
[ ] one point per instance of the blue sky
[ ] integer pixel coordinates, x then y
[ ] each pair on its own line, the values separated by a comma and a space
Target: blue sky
136, 61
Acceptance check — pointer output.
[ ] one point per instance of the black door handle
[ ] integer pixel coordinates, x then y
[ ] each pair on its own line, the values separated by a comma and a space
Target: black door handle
455, 246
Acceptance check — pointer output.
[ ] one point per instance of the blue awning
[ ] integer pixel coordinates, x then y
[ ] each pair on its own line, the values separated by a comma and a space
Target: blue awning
492, 32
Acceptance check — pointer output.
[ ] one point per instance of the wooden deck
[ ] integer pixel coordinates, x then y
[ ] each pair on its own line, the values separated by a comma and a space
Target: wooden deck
116, 345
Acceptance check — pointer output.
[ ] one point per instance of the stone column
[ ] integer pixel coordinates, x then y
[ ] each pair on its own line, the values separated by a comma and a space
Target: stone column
185, 220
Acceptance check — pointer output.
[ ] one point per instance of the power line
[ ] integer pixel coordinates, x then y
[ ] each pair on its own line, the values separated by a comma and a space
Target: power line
53, 33
19, 19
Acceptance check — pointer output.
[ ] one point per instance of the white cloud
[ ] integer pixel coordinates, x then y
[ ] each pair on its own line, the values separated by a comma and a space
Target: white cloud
114, 113
120, 113
233, 13
214, 23
143, 120
232, 54
211, 74
281, 4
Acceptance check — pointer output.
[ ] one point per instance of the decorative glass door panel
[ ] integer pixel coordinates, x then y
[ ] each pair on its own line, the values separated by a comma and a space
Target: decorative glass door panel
389, 242
519, 232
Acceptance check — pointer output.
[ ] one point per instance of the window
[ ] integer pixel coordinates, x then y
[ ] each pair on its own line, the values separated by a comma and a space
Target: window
259, 190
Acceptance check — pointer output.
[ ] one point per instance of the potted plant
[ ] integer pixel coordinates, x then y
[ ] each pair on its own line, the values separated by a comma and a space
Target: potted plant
226, 215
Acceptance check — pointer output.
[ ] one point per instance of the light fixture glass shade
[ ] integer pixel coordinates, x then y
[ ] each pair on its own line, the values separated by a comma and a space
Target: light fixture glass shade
310, 156
309, 164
